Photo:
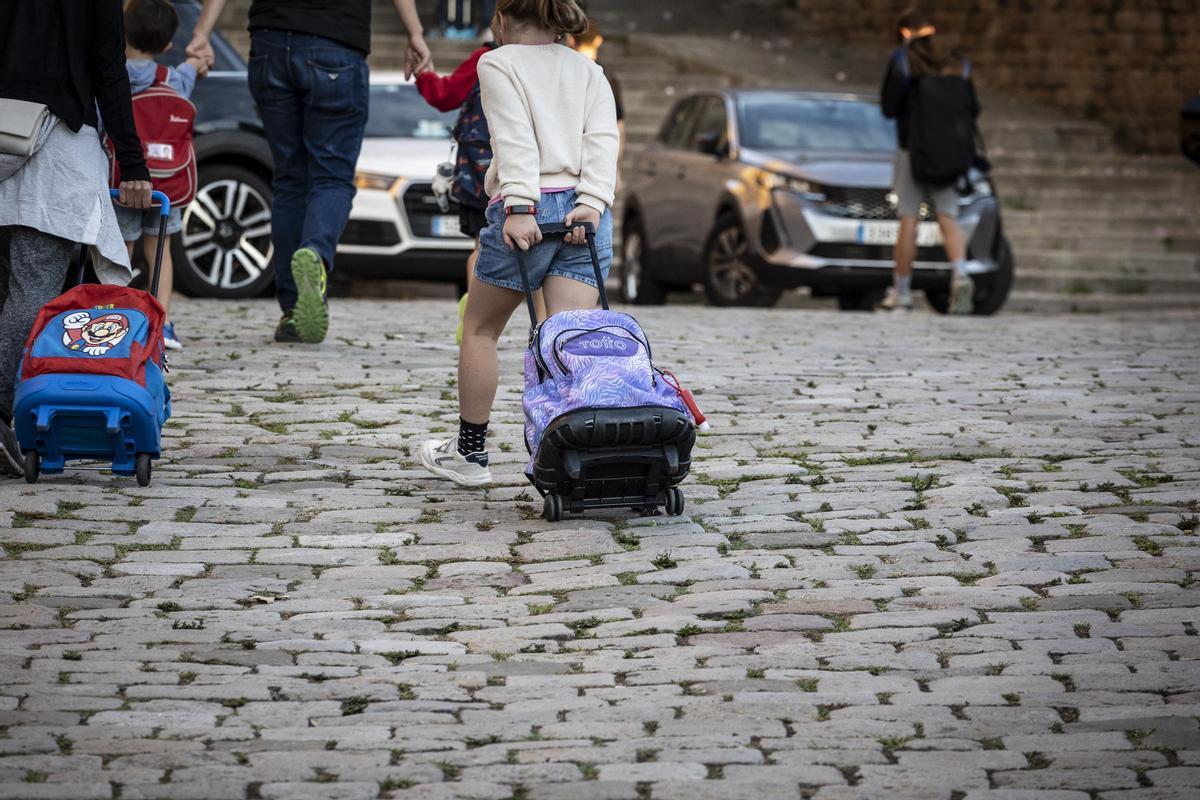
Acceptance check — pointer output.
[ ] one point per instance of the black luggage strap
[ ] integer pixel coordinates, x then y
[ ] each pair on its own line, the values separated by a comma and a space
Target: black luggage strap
558, 229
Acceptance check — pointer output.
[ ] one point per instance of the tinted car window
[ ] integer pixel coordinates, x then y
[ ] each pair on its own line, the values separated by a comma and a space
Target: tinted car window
225, 58
712, 126
779, 121
676, 133
397, 110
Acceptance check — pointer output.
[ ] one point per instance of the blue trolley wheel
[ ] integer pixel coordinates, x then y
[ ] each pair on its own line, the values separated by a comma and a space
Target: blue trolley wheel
32, 466
141, 469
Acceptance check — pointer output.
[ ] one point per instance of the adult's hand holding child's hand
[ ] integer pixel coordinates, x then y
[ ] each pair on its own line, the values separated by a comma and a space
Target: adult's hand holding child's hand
579, 214
201, 48
522, 231
417, 58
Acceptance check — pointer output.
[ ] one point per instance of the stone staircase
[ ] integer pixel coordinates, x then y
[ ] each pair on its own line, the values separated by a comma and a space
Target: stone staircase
1093, 229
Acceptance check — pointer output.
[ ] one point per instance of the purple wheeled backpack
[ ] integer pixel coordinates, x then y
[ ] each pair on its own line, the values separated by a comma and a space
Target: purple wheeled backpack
603, 426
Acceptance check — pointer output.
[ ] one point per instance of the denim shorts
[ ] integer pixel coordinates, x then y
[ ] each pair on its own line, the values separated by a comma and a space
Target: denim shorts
135, 222
497, 262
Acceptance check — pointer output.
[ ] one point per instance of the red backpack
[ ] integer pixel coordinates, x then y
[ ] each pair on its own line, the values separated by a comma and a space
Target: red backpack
164, 120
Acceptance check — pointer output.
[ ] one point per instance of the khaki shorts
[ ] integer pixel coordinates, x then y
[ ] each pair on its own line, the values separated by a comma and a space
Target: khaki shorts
911, 194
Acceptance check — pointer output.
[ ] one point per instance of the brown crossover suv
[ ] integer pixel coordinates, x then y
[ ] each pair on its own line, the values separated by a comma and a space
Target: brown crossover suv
751, 192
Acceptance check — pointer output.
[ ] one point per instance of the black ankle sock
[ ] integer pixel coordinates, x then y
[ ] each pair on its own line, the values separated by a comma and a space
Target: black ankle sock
471, 437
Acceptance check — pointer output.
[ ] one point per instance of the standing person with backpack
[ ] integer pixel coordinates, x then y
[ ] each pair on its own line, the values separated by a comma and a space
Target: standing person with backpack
554, 139
308, 75
930, 95
165, 119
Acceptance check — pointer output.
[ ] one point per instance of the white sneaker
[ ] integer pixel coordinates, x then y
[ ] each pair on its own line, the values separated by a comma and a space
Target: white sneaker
170, 340
443, 459
962, 293
896, 299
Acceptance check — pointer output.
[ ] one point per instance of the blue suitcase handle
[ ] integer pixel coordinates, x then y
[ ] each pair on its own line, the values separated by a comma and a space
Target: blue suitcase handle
164, 211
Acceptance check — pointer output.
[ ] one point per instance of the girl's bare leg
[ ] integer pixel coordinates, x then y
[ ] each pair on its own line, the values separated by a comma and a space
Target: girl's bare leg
488, 311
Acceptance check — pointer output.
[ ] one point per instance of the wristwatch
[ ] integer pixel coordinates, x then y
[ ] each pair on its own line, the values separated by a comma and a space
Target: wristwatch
510, 210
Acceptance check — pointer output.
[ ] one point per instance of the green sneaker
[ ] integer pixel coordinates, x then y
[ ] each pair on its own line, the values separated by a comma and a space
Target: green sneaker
462, 313
285, 331
311, 314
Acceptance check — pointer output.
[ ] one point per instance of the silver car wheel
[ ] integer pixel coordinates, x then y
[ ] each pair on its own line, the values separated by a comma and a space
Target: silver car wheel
226, 234
631, 266
731, 275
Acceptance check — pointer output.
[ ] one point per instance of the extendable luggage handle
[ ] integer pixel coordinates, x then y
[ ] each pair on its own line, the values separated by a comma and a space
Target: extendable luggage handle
558, 229
163, 212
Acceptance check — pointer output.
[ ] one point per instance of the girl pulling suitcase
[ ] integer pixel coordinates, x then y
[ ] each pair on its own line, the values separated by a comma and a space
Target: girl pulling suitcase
555, 144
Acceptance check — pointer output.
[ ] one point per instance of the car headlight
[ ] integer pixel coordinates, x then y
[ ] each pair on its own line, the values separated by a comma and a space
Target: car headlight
810, 191
371, 180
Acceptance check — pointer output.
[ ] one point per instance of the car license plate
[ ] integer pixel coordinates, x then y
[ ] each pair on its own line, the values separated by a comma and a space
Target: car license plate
446, 225
886, 233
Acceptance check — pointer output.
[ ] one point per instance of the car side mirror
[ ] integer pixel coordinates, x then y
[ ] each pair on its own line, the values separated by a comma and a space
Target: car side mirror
712, 143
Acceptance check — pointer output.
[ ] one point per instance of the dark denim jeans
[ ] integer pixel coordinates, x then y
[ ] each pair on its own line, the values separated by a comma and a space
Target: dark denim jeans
312, 94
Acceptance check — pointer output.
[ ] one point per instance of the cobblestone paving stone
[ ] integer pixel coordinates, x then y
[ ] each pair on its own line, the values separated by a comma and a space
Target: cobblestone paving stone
922, 558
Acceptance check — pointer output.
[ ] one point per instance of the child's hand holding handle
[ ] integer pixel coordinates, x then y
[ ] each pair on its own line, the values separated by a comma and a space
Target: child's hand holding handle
521, 231
581, 213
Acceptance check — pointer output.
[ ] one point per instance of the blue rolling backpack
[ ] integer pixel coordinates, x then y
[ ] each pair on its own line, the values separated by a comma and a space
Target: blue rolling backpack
91, 383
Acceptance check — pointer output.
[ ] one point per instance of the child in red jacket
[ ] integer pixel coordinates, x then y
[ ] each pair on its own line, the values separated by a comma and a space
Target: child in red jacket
460, 89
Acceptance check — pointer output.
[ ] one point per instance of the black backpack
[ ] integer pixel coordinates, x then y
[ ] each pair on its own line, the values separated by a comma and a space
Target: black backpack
941, 128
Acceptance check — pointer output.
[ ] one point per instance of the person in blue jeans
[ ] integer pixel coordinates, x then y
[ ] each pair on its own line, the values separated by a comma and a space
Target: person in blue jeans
309, 78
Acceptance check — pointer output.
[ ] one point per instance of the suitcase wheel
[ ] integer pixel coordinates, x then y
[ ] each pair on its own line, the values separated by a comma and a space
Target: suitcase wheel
32, 466
552, 508
141, 469
674, 501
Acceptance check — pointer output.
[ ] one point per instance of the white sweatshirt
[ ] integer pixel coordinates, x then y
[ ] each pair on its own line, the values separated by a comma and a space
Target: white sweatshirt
553, 123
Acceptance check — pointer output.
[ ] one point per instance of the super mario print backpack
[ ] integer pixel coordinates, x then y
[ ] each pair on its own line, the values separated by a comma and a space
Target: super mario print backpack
91, 383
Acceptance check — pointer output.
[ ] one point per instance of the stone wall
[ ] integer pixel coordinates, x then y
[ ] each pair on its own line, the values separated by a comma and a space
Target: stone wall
1130, 63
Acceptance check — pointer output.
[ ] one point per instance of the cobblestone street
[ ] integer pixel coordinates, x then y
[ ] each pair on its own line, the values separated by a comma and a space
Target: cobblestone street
922, 557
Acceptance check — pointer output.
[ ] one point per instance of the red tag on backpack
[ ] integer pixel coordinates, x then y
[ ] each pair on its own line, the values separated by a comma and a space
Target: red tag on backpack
164, 120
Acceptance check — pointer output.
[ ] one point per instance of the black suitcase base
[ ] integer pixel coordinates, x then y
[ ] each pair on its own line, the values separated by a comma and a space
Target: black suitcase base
613, 458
